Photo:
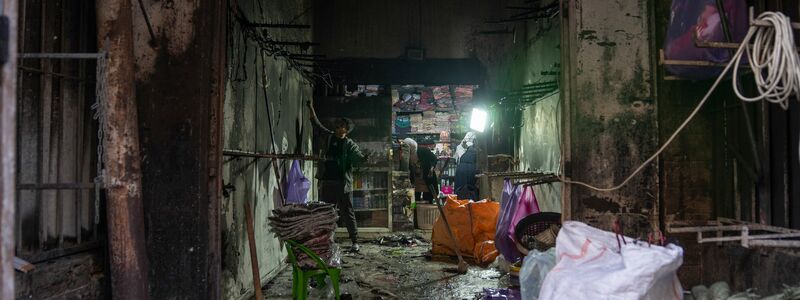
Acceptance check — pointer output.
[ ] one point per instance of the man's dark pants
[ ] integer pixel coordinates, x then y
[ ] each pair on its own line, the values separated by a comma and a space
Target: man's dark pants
333, 192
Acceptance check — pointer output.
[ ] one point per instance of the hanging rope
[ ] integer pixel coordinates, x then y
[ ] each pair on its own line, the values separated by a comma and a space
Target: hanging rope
99, 115
775, 64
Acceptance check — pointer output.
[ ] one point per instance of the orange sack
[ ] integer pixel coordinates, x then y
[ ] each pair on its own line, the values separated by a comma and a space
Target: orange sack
473, 225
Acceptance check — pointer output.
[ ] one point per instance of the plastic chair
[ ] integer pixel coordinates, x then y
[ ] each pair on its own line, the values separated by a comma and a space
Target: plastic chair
300, 277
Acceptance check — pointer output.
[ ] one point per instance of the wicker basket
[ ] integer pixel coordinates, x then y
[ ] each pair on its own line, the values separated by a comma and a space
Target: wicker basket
538, 231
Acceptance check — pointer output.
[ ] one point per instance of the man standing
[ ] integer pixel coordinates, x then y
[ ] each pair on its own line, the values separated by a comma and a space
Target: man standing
341, 155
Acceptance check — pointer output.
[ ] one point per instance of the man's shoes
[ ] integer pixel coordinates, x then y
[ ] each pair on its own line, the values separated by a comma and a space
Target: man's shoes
354, 248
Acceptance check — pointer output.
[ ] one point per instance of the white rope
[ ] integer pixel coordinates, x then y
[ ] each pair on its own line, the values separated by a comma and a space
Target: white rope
774, 61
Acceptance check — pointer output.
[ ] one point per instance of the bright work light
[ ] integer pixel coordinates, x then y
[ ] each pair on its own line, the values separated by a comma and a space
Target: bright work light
478, 120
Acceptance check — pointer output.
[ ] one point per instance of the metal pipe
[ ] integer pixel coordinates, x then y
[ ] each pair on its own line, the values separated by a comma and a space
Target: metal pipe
238, 153
55, 186
304, 44
60, 55
267, 25
125, 213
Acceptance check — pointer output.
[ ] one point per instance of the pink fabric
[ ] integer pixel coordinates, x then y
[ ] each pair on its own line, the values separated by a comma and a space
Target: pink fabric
527, 205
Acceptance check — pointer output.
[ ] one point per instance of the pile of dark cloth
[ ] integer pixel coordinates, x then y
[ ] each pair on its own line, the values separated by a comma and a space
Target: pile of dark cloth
312, 224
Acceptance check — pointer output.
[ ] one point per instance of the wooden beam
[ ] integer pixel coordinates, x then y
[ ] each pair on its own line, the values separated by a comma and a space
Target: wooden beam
8, 150
251, 239
126, 239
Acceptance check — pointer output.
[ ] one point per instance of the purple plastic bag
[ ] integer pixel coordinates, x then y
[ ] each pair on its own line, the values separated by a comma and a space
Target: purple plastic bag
508, 206
297, 185
700, 19
526, 205
501, 294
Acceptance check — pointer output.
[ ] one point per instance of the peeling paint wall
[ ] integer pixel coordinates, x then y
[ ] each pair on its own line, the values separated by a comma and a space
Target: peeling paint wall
611, 113
177, 94
246, 128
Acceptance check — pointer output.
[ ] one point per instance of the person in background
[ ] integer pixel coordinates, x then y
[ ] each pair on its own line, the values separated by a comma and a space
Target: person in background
341, 157
421, 171
466, 168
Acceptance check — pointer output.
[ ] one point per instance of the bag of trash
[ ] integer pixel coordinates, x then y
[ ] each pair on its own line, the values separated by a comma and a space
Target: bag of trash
457, 214
297, 185
472, 224
535, 267
590, 264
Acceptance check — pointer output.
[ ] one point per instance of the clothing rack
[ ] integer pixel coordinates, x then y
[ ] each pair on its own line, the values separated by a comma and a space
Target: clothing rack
239, 153
529, 178
546, 178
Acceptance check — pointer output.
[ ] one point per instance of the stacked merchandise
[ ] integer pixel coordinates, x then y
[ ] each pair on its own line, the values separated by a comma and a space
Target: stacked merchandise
402, 124
408, 97
431, 110
463, 96
313, 225
442, 96
416, 123
428, 123
441, 122
426, 100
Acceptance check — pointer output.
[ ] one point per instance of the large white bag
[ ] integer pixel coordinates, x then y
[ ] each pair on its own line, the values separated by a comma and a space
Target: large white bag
590, 265
534, 270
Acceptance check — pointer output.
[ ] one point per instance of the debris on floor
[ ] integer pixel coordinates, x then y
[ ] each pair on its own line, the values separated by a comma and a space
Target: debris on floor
721, 290
398, 272
401, 240
501, 294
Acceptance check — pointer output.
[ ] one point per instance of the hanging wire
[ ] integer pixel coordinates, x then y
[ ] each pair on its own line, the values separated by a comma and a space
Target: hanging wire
267, 44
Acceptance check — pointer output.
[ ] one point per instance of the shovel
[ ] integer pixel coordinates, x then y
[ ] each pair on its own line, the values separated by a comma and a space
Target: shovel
462, 265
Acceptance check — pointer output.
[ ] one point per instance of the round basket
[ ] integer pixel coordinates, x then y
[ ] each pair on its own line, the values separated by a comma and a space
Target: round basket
538, 231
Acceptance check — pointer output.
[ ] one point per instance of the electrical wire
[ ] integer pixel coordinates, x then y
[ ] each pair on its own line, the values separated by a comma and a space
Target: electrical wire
775, 64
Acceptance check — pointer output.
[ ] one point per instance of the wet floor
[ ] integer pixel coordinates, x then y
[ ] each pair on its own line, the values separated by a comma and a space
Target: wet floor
393, 271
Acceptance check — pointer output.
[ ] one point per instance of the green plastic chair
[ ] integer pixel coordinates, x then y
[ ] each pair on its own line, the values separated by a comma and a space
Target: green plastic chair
300, 277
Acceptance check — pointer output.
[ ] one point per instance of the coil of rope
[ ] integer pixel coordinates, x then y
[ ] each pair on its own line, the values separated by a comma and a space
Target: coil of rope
774, 61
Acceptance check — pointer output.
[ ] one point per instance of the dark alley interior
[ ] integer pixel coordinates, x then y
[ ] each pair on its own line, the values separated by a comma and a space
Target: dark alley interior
384, 149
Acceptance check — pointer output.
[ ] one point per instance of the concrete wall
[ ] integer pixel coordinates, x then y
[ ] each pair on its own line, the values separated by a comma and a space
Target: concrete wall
766, 270
178, 90
246, 128
610, 112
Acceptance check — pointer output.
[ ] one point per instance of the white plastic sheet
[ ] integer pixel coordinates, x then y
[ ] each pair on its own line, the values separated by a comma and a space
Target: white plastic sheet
590, 265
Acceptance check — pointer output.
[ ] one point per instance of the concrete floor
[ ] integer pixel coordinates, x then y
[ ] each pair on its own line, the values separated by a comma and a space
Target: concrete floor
397, 272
